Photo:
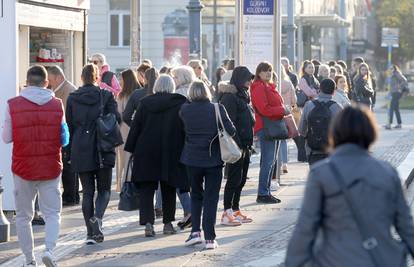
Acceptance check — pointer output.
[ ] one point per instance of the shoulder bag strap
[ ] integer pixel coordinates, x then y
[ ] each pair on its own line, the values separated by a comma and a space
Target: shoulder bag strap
101, 106
369, 241
100, 158
217, 112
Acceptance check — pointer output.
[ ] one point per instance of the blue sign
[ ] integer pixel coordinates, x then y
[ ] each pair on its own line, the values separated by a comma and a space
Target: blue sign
258, 7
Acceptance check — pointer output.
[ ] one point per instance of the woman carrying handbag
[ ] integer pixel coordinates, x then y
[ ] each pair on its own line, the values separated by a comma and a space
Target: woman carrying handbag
270, 109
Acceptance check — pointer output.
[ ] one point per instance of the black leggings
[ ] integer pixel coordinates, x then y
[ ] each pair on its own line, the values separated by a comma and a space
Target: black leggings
103, 179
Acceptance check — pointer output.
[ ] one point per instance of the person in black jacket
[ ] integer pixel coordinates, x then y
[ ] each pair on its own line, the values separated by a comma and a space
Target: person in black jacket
151, 76
202, 157
234, 96
82, 110
156, 139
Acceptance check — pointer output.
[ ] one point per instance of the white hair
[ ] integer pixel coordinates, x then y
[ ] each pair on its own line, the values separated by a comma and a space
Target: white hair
324, 67
199, 91
164, 84
100, 57
183, 75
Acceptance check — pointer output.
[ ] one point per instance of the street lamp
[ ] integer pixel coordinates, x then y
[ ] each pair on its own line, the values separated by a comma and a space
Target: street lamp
194, 9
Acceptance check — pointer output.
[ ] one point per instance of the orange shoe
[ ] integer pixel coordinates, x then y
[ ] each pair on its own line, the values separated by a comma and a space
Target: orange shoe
242, 218
228, 219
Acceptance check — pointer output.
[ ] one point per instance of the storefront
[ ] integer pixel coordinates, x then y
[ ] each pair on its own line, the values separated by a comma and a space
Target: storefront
44, 32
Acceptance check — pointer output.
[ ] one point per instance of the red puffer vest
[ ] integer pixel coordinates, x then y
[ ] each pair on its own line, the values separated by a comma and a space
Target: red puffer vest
36, 138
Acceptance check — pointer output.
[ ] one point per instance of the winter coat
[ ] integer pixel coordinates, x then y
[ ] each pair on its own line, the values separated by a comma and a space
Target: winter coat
82, 111
398, 82
376, 188
266, 102
341, 98
201, 147
156, 139
63, 91
132, 105
237, 104
113, 86
309, 85
363, 91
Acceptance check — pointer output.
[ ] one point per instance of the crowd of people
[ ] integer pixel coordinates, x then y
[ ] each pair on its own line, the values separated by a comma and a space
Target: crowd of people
169, 123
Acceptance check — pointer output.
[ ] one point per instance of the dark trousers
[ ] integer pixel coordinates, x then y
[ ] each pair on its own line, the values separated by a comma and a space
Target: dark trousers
70, 181
103, 179
313, 158
236, 180
146, 200
395, 107
205, 198
300, 144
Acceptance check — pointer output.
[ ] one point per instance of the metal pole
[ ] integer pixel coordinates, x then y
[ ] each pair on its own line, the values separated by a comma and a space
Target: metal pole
194, 9
389, 67
4, 223
343, 32
215, 56
239, 32
135, 33
291, 27
277, 38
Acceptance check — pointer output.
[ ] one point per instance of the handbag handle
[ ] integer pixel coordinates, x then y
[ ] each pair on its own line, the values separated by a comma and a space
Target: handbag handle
218, 117
369, 241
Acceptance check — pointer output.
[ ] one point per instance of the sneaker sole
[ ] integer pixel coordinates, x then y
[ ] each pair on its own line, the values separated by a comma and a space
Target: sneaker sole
193, 242
90, 242
48, 262
231, 224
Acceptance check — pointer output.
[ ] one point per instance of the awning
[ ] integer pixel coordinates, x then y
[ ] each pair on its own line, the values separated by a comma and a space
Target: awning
323, 21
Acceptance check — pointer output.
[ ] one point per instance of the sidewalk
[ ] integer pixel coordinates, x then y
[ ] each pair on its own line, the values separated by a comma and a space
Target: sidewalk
261, 243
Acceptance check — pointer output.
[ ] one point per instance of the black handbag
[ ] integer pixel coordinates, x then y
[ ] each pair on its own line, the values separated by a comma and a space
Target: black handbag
129, 196
301, 97
108, 132
275, 129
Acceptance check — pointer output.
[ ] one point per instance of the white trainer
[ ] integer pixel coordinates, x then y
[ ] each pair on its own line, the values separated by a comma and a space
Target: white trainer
48, 259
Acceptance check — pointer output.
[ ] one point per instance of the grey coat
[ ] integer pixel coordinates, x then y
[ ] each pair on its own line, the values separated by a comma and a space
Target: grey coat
376, 188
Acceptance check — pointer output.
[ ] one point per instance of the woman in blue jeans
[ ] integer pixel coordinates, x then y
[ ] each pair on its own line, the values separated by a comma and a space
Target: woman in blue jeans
201, 155
267, 103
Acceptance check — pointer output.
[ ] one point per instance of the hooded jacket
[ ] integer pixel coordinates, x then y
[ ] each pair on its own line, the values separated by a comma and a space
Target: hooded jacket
113, 86
82, 111
156, 140
34, 122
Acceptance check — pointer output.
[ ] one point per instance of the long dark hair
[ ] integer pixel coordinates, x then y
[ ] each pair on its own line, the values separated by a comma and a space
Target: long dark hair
130, 83
151, 75
305, 64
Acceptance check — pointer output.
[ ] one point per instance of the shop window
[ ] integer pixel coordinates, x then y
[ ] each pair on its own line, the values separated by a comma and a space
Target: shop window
119, 19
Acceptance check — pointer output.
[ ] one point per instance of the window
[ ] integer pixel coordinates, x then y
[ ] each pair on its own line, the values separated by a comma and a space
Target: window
119, 23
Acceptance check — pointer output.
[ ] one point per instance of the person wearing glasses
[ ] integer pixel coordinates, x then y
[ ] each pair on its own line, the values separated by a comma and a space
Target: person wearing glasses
107, 79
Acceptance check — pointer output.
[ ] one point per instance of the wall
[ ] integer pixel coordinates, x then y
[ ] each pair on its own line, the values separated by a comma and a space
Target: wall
8, 68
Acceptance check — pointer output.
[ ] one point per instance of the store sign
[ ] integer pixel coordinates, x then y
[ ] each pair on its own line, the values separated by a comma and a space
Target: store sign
390, 37
48, 17
257, 32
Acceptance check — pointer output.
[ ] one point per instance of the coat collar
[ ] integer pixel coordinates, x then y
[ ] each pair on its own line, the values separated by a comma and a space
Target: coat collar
226, 87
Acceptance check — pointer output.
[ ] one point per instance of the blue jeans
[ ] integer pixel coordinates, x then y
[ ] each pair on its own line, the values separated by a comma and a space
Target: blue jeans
204, 199
185, 201
283, 151
268, 154
395, 107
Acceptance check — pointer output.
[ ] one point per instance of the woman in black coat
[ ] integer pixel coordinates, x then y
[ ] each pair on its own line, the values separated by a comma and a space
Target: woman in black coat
202, 157
82, 111
156, 139
234, 96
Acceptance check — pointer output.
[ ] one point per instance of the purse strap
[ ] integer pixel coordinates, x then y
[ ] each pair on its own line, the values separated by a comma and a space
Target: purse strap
369, 241
218, 117
100, 158
101, 106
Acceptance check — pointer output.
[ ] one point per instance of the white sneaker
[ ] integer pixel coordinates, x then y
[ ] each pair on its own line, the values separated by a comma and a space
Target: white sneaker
228, 219
274, 186
211, 244
48, 259
193, 239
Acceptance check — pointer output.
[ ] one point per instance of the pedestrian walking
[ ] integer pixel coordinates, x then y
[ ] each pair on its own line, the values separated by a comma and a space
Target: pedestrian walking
398, 86
289, 99
267, 103
156, 140
315, 120
363, 86
341, 91
151, 75
235, 97
84, 107
70, 181
308, 83
355, 200
107, 79
129, 83
35, 124
202, 157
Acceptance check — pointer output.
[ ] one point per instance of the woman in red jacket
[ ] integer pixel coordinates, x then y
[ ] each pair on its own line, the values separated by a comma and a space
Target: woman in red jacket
268, 103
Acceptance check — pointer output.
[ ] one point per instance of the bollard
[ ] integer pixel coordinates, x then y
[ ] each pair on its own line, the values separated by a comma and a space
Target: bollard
4, 223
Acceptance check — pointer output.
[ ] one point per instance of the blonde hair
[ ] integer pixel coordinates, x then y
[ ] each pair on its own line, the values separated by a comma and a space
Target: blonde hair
195, 63
100, 57
323, 67
164, 84
199, 91
183, 75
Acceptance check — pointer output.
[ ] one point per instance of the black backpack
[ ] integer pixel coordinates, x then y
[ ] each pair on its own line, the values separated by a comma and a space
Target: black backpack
318, 124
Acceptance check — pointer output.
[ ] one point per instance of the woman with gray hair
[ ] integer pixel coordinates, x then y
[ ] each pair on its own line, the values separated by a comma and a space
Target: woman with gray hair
183, 77
201, 155
156, 140
107, 79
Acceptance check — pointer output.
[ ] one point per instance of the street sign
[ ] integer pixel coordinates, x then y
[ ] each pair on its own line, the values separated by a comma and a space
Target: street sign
257, 32
390, 37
